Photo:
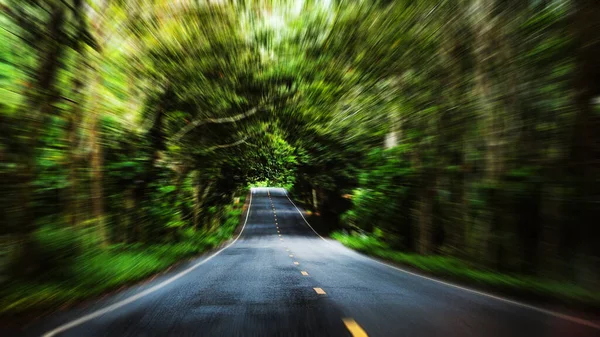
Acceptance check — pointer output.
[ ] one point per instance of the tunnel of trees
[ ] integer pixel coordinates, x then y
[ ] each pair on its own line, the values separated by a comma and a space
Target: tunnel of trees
465, 128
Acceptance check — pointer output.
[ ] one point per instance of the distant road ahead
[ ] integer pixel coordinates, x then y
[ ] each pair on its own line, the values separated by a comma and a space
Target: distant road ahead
281, 279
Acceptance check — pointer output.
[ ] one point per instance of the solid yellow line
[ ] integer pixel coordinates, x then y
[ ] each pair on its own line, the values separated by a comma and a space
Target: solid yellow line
354, 328
319, 291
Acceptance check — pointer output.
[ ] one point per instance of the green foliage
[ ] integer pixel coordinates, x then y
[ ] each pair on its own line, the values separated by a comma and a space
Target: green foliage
458, 270
386, 196
57, 249
93, 272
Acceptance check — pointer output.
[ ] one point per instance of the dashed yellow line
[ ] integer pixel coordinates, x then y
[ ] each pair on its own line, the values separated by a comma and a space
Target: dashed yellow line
354, 328
296, 262
319, 291
291, 255
304, 273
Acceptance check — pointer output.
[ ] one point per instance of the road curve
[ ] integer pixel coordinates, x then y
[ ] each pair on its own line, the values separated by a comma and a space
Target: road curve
279, 278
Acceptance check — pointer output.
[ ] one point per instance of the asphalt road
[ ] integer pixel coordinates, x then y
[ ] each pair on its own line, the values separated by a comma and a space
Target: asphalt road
281, 279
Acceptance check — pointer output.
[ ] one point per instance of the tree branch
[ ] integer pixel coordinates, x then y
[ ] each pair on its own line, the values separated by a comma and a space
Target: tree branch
212, 148
199, 122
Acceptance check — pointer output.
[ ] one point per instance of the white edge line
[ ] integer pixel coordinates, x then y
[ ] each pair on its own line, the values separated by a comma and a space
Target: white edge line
303, 218
136, 297
506, 300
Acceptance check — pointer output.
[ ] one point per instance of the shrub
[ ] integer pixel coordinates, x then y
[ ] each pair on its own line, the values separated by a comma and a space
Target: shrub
52, 251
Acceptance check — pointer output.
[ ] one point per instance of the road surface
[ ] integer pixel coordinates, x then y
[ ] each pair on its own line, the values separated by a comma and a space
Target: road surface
279, 278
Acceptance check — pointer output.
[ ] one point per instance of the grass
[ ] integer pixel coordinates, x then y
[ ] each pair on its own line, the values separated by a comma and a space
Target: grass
94, 273
459, 270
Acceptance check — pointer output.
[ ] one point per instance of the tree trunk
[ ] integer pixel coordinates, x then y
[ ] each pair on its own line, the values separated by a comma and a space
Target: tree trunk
585, 150
73, 201
207, 188
130, 228
96, 162
181, 175
97, 178
73, 207
395, 134
551, 218
426, 215
196, 198
41, 98
486, 55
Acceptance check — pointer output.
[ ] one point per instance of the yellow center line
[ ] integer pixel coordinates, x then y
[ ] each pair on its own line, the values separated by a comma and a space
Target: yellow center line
354, 328
291, 255
304, 273
319, 291
296, 263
